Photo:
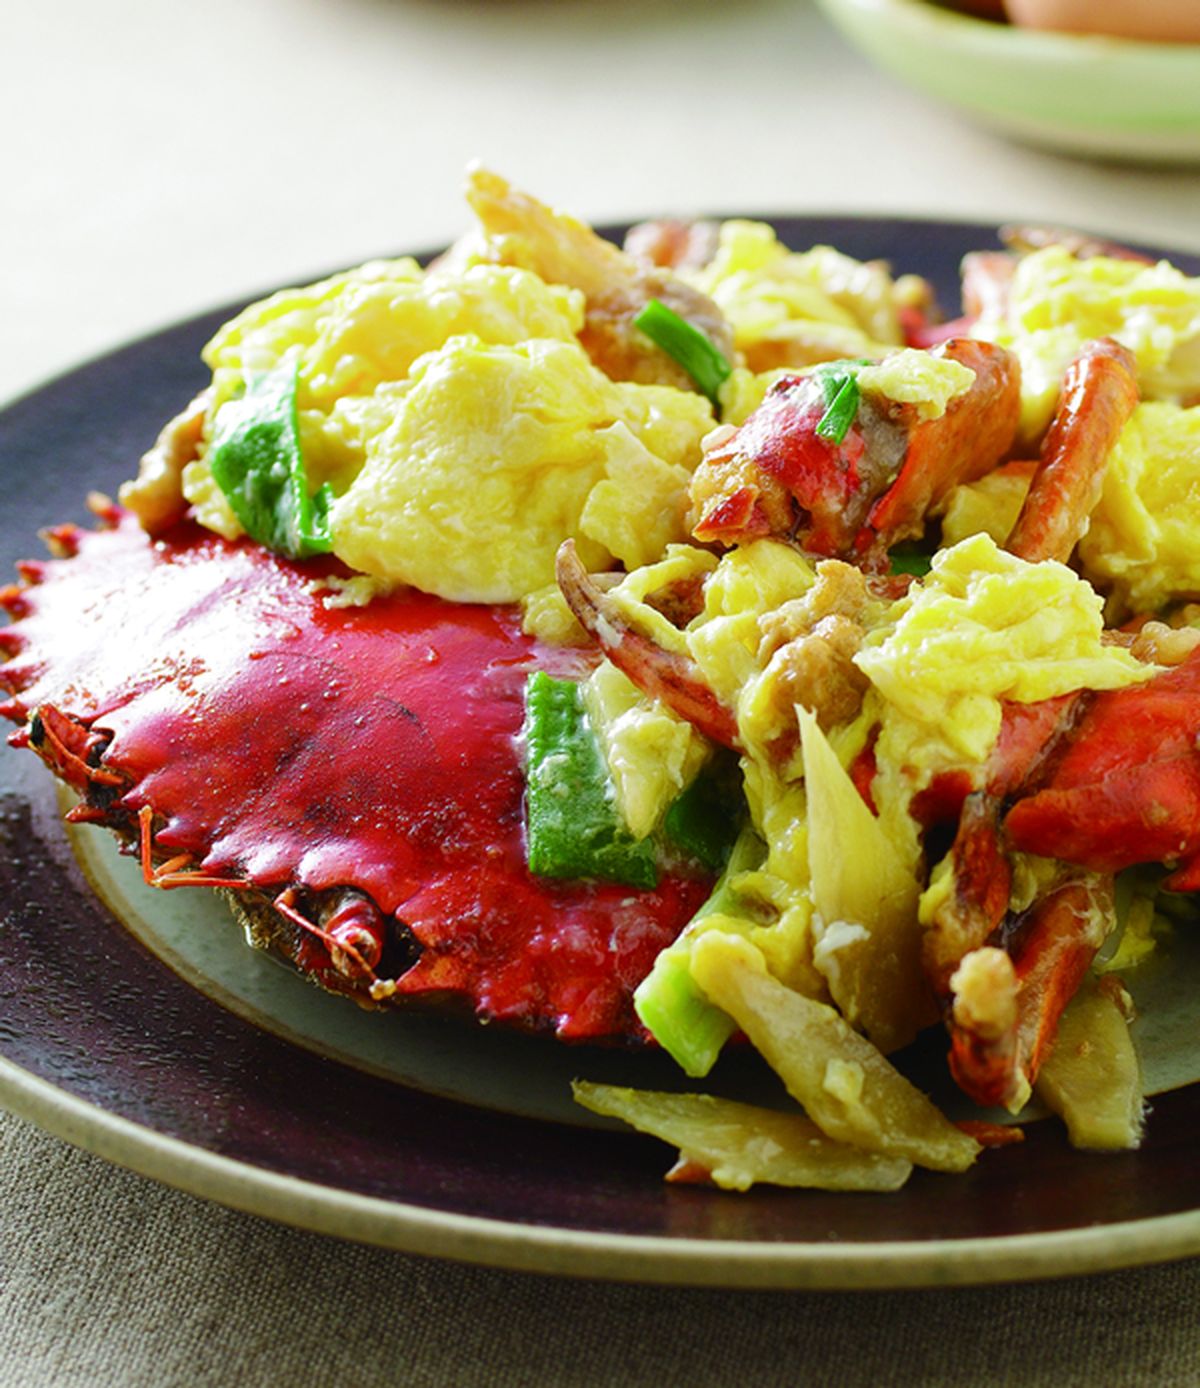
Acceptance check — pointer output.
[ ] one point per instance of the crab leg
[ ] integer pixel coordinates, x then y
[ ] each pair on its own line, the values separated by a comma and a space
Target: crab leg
981, 879
356, 925
343, 951
1007, 1003
1099, 393
173, 873
981, 875
1126, 789
1025, 238
65, 746
665, 675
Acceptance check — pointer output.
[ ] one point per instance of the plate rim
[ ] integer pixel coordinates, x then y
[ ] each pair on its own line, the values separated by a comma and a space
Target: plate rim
548, 1249
835, 1265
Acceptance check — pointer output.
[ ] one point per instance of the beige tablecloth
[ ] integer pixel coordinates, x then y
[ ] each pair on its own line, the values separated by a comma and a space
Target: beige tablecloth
107, 1278
159, 159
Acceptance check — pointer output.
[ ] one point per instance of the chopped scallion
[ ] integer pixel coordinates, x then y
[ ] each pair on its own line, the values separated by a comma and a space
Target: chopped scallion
255, 459
573, 828
909, 558
695, 352
841, 406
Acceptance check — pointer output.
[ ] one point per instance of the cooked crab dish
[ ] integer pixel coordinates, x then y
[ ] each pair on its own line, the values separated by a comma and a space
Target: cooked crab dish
694, 643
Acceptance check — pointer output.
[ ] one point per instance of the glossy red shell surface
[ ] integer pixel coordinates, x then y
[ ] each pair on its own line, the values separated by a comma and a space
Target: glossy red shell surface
372, 747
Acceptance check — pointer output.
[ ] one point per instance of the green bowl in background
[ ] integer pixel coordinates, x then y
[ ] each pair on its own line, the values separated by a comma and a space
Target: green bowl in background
1083, 94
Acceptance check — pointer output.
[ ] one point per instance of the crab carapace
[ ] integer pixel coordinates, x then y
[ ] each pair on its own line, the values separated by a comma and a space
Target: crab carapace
351, 773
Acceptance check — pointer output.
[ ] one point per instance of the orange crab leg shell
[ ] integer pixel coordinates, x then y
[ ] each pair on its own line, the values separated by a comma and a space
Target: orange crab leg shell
664, 675
1099, 393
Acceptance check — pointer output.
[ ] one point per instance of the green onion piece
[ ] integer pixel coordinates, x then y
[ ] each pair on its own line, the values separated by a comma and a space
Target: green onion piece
679, 1017
572, 825
669, 1001
695, 352
705, 818
909, 558
841, 405
255, 459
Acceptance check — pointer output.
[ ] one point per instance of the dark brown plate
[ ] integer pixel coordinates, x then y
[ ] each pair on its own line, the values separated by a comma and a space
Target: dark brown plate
477, 1154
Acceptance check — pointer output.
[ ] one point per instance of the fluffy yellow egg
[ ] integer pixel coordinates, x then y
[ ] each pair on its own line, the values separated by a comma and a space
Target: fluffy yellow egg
495, 454
1141, 540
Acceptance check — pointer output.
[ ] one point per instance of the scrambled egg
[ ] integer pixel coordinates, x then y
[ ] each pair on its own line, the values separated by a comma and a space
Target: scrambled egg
788, 308
990, 506
927, 382
651, 754
1058, 302
904, 376
495, 454
463, 428
986, 626
1142, 539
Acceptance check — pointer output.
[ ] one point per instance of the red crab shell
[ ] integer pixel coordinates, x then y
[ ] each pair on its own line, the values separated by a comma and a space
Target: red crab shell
276, 742
1126, 787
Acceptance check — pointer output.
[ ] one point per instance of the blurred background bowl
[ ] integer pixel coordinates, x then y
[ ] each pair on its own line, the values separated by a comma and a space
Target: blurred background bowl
1077, 93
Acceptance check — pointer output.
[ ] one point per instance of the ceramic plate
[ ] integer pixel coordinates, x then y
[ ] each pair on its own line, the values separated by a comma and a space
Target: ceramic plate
1083, 94
137, 1024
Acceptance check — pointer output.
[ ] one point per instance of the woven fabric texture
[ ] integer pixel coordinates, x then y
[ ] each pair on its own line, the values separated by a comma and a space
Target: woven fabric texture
108, 1278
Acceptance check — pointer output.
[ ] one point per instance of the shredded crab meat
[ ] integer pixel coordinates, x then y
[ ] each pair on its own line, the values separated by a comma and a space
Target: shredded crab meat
985, 993
155, 496
818, 671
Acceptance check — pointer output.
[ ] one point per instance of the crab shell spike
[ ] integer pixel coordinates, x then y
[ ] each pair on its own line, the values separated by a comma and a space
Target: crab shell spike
61, 540
10, 641
104, 508
664, 675
13, 600
31, 570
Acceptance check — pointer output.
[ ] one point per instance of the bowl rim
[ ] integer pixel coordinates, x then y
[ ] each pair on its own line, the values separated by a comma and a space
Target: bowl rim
1045, 45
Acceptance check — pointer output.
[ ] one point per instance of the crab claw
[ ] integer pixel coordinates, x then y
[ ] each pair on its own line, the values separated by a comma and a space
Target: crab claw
978, 898
1099, 393
777, 475
974, 434
1126, 789
665, 675
1007, 1002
